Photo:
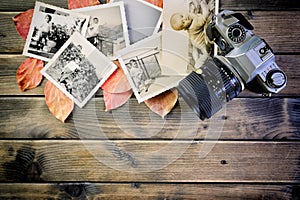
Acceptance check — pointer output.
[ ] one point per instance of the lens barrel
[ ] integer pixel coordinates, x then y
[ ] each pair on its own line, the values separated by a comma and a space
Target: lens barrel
207, 91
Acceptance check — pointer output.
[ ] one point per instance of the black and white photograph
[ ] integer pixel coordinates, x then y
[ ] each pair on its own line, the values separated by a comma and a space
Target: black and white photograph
142, 65
143, 19
50, 28
107, 29
185, 21
79, 69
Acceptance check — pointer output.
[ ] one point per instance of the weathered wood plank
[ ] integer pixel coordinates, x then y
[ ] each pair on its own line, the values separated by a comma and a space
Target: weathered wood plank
149, 161
10, 63
10, 40
19, 5
279, 28
146, 191
8, 83
259, 4
242, 119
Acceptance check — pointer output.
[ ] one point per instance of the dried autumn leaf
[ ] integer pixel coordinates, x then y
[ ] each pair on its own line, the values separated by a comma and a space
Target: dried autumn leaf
72, 4
28, 74
117, 82
22, 22
115, 100
58, 103
163, 103
158, 3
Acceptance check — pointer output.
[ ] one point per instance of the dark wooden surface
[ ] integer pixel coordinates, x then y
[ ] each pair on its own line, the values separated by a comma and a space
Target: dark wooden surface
254, 155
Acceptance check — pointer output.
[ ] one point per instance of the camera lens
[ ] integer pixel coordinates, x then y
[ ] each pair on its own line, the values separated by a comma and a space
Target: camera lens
206, 92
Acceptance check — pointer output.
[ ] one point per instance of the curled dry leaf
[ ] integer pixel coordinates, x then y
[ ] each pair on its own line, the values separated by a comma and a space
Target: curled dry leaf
28, 74
58, 103
158, 3
117, 82
115, 100
72, 4
163, 103
22, 22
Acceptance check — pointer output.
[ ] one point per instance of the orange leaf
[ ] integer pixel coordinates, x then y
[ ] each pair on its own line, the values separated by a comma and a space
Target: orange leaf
22, 22
28, 74
115, 100
117, 82
72, 4
58, 103
163, 103
158, 3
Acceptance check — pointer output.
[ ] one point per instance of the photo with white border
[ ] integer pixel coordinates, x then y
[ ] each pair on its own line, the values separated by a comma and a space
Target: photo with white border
107, 29
144, 70
143, 19
50, 28
185, 21
78, 69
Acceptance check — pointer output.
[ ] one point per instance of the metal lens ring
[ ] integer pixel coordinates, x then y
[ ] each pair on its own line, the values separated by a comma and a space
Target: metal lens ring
236, 33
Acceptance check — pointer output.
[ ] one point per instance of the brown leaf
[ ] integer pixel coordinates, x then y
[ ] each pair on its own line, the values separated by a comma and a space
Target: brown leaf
163, 103
58, 103
72, 4
22, 22
28, 74
158, 3
115, 100
117, 82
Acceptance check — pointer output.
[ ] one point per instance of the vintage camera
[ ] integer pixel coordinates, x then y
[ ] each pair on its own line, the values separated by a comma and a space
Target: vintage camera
245, 60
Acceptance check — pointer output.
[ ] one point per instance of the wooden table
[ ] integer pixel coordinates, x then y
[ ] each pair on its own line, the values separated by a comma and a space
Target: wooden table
251, 150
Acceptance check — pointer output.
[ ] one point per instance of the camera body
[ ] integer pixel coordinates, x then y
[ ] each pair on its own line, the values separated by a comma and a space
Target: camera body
250, 55
245, 60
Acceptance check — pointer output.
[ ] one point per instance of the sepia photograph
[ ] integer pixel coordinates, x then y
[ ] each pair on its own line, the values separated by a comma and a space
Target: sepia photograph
107, 29
142, 65
185, 21
50, 28
79, 69
143, 19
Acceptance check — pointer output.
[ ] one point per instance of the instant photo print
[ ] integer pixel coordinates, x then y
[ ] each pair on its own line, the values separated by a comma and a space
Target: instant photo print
78, 69
50, 28
143, 19
142, 65
184, 37
107, 29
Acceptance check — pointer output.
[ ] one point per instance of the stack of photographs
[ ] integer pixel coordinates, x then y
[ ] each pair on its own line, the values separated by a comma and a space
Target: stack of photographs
159, 62
80, 45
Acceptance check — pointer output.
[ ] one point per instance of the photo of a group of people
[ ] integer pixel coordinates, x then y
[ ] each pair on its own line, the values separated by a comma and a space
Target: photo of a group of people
78, 69
52, 27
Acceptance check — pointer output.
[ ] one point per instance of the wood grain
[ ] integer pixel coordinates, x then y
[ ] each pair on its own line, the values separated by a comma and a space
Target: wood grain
259, 5
145, 191
149, 161
10, 40
240, 119
20, 5
10, 63
250, 150
278, 28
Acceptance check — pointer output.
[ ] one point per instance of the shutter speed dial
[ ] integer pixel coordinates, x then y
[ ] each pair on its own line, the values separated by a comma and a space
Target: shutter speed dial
276, 78
237, 33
